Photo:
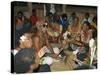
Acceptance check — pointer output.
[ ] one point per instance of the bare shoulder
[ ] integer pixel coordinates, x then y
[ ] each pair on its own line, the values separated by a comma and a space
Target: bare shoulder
35, 38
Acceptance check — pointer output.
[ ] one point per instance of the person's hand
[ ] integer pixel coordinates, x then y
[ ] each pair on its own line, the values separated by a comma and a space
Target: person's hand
55, 56
41, 52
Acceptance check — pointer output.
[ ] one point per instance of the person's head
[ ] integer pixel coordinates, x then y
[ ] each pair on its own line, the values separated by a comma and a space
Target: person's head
73, 14
64, 16
56, 15
86, 26
87, 15
26, 60
26, 41
34, 12
50, 14
76, 21
42, 26
20, 14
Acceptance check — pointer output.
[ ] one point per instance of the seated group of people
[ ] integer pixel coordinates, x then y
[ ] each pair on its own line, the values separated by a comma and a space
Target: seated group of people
33, 38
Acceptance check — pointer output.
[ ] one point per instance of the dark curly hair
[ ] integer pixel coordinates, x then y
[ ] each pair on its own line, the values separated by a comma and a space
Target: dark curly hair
23, 59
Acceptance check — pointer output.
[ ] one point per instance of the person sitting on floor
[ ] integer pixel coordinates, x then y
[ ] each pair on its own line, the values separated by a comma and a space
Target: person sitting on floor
71, 36
22, 24
40, 39
86, 32
72, 18
19, 22
27, 59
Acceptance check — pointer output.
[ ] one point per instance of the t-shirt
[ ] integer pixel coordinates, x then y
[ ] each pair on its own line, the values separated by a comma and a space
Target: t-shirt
33, 19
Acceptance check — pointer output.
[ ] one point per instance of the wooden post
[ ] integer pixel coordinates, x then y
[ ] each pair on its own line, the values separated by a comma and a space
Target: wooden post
30, 8
44, 10
64, 8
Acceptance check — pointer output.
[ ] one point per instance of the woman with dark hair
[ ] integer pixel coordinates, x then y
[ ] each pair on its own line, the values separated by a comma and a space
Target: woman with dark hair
85, 37
86, 33
22, 24
19, 20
